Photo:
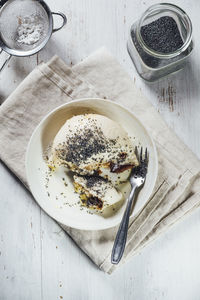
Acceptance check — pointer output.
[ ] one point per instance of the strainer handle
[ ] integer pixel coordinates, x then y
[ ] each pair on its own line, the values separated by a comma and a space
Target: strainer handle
6, 61
64, 20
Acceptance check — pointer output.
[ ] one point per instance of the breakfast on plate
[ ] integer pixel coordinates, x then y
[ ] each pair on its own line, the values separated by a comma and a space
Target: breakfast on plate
100, 154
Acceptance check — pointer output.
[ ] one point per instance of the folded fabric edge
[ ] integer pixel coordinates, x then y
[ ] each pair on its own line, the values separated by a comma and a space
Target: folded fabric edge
191, 202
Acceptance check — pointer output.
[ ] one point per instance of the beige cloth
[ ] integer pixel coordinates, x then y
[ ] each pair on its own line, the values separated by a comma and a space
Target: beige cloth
51, 84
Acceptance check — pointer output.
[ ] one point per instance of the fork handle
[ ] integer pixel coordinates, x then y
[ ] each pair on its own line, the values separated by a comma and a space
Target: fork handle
120, 240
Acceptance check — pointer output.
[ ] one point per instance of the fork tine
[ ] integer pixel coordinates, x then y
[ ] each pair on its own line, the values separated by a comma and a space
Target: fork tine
141, 154
136, 152
146, 155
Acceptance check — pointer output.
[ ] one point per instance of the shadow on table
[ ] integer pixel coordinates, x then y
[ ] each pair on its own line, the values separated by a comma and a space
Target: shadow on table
53, 48
183, 83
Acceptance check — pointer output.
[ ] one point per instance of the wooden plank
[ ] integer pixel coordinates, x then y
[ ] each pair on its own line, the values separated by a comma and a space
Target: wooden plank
20, 247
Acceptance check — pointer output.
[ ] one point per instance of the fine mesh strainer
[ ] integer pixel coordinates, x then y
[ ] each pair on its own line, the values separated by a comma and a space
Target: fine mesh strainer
25, 26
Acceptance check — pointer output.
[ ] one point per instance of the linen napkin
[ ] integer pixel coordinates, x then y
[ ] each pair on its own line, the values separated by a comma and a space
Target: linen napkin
51, 84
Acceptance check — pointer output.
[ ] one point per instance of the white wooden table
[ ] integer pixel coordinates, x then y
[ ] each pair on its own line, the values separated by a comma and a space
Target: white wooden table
37, 259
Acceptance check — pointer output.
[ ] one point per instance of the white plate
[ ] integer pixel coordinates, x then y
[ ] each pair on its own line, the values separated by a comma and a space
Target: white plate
54, 203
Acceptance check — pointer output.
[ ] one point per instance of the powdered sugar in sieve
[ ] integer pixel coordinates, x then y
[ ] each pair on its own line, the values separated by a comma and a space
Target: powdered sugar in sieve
30, 29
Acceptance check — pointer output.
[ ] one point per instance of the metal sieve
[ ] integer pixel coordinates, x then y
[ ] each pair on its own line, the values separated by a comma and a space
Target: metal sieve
17, 13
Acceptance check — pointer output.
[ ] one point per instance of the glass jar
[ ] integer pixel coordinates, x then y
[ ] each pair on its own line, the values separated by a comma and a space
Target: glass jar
150, 64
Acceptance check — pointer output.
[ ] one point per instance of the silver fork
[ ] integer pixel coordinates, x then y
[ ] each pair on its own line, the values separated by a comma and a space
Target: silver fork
137, 179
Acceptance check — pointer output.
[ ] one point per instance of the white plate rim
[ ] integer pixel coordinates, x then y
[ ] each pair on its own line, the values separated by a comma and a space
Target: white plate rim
56, 218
